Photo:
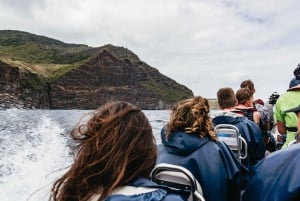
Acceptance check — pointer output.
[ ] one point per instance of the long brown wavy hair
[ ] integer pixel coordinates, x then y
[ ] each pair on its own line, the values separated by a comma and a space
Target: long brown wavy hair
192, 116
115, 146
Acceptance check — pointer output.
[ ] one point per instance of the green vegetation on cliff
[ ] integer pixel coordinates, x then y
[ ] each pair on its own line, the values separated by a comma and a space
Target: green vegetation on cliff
48, 60
49, 57
35, 49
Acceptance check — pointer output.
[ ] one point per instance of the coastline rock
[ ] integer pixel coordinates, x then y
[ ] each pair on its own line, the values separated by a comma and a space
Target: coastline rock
44, 73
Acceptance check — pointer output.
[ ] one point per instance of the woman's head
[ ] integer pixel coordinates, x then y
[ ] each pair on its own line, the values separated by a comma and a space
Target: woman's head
192, 116
116, 146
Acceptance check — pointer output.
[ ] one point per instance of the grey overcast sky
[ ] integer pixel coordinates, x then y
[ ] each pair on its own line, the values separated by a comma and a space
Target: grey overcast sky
202, 44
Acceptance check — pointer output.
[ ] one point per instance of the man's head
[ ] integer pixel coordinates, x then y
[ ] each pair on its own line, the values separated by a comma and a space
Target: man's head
226, 98
244, 97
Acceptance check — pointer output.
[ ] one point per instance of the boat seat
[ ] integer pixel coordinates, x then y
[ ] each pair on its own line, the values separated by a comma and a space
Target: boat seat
231, 136
177, 178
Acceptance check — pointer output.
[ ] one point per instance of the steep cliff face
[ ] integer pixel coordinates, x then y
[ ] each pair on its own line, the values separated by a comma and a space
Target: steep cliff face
21, 89
39, 72
106, 77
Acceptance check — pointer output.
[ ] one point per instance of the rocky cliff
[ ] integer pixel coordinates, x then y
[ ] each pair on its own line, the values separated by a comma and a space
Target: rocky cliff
39, 72
21, 88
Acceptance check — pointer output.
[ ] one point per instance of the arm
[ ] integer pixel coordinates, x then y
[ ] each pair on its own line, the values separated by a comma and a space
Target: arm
279, 115
281, 127
256, 117
298, 126
298, 121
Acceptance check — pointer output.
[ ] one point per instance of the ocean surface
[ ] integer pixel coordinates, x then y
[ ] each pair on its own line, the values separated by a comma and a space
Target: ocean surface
35, 148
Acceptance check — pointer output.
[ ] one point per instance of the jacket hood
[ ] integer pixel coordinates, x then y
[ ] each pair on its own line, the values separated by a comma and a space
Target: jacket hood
182, 143
227, 118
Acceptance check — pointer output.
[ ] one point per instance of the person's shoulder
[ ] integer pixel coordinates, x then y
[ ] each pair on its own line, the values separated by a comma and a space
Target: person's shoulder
293, 150
288, 157
251, 125
284, 96
246, 121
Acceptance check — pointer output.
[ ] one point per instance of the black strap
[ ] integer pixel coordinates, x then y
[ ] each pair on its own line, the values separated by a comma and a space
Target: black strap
291, 129
174, 185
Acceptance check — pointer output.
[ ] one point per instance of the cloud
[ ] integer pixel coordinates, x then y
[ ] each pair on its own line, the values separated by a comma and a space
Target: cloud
203, 44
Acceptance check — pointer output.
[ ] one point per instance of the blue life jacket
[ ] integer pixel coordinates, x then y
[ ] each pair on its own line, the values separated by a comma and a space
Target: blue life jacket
276, 178
212, 163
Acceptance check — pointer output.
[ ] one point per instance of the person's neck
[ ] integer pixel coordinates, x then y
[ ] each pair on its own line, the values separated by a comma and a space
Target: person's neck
228, 109
241, 106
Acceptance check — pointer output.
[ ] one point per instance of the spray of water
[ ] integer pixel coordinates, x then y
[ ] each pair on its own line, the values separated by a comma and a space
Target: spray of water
34, 148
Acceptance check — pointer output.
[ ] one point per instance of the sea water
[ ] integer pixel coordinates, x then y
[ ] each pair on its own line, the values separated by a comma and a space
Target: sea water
35, 148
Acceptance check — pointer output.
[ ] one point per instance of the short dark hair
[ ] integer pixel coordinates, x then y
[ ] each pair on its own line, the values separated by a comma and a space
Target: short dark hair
226, 98
243, 95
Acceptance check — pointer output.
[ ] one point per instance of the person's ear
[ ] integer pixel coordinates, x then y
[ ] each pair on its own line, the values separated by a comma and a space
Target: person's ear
248, 103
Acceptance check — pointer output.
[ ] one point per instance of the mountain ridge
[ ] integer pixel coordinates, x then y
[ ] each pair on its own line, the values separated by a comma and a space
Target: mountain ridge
42, 72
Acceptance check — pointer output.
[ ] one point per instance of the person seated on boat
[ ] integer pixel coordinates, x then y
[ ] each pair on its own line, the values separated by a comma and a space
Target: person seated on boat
265, 116
287, 122
245, 105
277, 177
248, 129
269, 139
258, 104
116, 154
188, 140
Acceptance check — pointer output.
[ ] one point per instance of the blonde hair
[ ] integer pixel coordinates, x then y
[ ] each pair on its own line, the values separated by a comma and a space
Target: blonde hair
192, 116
